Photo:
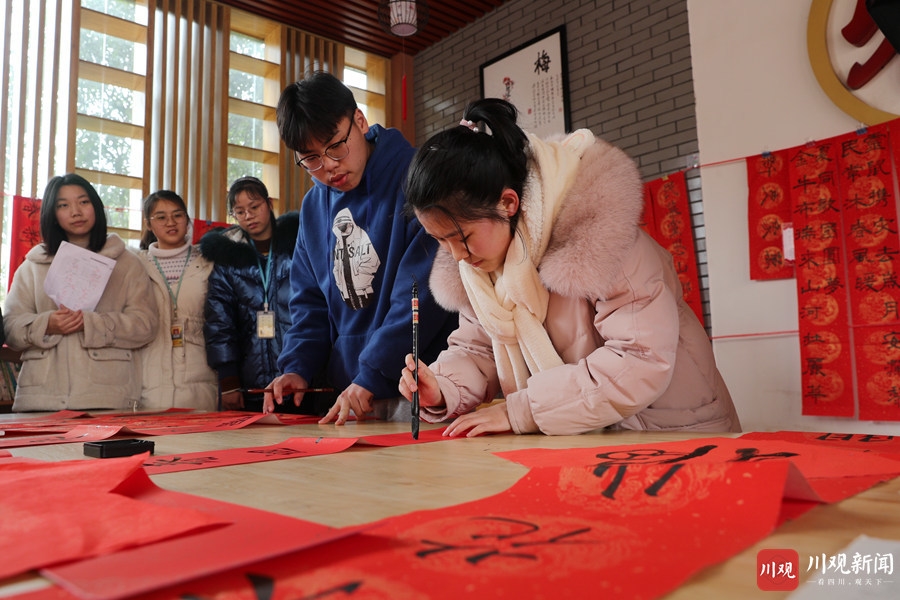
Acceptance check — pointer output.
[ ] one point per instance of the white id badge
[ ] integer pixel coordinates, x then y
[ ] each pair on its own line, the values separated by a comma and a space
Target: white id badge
265, 324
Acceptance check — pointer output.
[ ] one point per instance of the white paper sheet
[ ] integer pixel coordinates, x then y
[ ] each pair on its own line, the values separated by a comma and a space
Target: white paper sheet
77, 277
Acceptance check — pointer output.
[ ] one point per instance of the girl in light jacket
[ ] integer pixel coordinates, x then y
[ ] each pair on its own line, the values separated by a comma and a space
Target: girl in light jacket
566, 306
78, 359
175, 373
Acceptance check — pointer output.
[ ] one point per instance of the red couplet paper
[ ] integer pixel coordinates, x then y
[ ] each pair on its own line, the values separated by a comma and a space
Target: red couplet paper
768, 210
569, 532
252, 535
26, 228
863, 442
56, 512
63, 427
201, 227
825, 348
405, 439
648, 223
290, 448
830, 474
675, 232
872, 245
79, 433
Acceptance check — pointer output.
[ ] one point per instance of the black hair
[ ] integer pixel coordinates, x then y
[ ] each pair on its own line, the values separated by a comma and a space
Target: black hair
147, 208
51, 231
310, 110
253, 186
255, 189
462, 173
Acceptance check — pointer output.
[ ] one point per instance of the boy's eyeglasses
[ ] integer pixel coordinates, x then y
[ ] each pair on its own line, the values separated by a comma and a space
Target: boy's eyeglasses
178, 217
336, 151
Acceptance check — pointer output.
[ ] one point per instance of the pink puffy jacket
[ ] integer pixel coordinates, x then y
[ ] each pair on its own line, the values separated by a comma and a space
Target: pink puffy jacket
636, 356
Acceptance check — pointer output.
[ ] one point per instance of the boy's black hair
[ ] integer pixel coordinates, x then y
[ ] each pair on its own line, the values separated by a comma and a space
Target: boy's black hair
310, 110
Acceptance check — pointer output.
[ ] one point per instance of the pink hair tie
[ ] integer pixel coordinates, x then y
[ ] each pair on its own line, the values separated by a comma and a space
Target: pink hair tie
469, 124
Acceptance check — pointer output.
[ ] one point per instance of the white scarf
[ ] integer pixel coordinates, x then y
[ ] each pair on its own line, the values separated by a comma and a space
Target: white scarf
511, 304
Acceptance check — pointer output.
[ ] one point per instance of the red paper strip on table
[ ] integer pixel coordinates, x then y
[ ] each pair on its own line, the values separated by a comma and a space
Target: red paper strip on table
865, 178
26, 231
825, 348
290, 448
559, 532
250, 536
79, 433
58, 512
832, 474
405, 439
864, 442
768, 211
674, 231
694, 502
62, 429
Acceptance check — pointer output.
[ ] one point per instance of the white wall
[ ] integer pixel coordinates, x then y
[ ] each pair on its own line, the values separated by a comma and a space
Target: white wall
755, 91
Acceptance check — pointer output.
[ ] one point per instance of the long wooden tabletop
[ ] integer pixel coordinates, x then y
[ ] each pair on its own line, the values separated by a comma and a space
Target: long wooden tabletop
367, 483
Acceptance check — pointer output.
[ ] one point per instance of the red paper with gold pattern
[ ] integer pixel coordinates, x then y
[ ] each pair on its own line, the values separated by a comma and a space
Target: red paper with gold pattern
865, 177
768, 209
26, 231
825, 351
559, 532
675, 233
894, 130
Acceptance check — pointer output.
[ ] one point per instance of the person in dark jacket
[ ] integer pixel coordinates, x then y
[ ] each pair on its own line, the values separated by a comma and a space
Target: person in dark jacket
249, 289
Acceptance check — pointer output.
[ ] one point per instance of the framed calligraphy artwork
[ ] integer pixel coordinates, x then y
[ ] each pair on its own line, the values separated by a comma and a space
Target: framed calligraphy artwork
534, 78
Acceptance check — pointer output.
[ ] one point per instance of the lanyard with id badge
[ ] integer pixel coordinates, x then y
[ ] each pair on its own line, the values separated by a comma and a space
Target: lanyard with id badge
176, 330
265, 320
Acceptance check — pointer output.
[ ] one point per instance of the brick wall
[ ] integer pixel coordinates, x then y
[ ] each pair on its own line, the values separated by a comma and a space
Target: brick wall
629, 80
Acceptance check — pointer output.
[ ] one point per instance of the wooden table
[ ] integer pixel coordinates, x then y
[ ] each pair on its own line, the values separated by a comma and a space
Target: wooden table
366, 483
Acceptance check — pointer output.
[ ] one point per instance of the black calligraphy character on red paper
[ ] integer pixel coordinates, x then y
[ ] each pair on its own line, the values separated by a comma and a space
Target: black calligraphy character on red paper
513, 544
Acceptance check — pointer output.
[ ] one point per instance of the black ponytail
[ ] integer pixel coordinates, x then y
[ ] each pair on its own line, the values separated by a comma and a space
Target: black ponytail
463, 171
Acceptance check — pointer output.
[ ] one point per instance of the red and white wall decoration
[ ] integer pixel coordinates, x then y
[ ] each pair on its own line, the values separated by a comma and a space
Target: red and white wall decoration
838, 197
667, 218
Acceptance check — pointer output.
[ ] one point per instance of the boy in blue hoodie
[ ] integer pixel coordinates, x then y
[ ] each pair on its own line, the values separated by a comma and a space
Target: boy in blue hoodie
356, 259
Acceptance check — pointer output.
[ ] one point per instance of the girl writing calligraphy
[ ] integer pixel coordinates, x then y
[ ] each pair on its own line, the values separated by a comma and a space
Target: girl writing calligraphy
566, 306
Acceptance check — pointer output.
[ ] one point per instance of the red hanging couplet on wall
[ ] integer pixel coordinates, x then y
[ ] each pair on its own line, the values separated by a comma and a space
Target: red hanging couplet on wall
825, 350
26, 228
668, 209
768, 211
869, 212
